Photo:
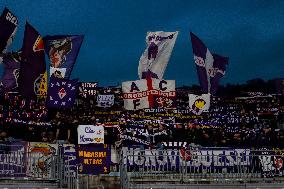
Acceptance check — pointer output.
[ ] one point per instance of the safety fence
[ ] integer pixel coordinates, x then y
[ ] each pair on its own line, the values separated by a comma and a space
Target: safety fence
136, 168
37, 164
139, 168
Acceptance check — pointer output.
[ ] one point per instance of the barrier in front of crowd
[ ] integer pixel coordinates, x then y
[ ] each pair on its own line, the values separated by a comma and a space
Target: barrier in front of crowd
140, 168
37, 161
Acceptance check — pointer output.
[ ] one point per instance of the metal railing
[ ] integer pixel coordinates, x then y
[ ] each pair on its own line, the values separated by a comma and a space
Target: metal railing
144, 167
23, 165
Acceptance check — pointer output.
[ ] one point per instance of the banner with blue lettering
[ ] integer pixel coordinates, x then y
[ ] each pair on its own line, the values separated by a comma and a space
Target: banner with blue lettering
94, 159
88, 134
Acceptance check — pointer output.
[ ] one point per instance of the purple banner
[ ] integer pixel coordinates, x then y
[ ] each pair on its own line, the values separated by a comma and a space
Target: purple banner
13, 159
94, 159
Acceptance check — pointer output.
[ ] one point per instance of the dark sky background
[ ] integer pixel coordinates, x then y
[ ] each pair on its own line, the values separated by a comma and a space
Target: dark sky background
249, 32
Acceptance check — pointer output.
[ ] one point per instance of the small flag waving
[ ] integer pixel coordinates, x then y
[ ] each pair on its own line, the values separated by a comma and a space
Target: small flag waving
154, 60
33, 77
11, 63
8, 28
218, 71
199, 104
61, 93
63, 51
209, 67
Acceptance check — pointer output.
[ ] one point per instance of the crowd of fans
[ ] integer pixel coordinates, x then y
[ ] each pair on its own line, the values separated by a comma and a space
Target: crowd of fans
251, 121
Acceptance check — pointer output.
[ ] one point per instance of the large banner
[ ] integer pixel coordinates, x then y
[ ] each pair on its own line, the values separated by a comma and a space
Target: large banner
144, 93
105, 100
13, 159
88, 134
154, 60
94, 159
88, 89
41, 157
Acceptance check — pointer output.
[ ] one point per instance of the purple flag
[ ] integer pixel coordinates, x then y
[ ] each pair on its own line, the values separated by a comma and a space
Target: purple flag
8, 28
63, 51
199, 52
218, 71
62, 92
210, 68
11, 63
32, 78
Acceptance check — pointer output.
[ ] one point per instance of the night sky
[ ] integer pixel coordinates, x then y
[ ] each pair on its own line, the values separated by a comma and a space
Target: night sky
249, 32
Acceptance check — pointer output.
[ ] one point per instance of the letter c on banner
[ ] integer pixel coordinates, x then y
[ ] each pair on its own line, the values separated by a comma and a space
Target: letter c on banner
161, 85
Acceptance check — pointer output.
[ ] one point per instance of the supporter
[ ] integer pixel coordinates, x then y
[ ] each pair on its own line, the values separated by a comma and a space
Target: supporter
62, 135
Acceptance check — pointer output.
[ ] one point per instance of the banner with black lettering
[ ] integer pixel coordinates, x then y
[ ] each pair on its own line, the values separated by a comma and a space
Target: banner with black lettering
105, 101
142, 93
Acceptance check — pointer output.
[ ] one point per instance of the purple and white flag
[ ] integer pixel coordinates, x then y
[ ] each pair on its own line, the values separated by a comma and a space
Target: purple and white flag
155, 58
210, 67
61, 93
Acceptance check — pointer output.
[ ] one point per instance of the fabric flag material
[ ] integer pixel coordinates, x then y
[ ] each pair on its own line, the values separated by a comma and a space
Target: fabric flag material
11, 62
155, 58
93, 159
61, 93
207, 65
105, 101
33, 75
8, 28
141, 94
219, 69
63, 50
88, 89
57, 72
90, 134
199, 103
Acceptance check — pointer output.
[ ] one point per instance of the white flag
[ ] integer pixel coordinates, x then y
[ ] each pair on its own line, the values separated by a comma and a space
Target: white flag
199, 104
105, 100
155, 58
141, 94
88, 134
